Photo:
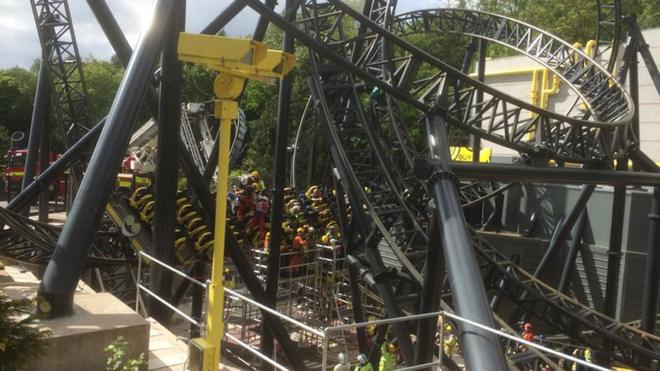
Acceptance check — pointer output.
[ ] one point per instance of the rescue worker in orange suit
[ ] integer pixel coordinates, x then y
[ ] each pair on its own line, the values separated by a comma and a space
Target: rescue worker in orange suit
299, 247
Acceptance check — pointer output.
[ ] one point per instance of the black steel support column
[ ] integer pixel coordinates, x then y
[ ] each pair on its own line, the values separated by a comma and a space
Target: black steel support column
356, 305
571, 254
39, 117
366, 230
652, 274
475, 140
279, 182
199, 273
431, 294
616, 238
61, 277
564, 229
167, 169
44, 159
481, 349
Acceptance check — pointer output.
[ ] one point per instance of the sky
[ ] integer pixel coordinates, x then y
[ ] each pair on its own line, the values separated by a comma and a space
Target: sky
20, 44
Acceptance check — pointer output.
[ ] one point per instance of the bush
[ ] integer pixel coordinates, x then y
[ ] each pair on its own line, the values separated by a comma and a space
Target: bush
116, 362
20, 340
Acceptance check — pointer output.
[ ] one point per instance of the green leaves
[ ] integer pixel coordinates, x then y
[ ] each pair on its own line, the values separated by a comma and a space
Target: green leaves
20, 340
116, 361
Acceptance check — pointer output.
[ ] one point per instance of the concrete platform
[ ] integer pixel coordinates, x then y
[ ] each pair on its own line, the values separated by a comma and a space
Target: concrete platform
77, 342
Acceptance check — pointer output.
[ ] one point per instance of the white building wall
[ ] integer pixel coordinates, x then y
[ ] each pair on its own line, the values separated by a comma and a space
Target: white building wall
519, 86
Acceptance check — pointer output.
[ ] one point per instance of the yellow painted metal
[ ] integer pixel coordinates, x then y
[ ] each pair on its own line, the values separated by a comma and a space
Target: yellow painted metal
237, 60
238, 57
465, 154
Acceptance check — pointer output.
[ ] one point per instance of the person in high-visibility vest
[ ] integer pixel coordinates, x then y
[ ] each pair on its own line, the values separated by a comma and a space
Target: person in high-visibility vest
363, 363
387, 356
450, 345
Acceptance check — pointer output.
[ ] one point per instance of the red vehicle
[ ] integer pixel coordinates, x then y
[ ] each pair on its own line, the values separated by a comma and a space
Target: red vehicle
15, 169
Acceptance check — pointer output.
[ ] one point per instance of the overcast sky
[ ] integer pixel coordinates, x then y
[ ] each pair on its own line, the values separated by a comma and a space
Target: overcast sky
19, 43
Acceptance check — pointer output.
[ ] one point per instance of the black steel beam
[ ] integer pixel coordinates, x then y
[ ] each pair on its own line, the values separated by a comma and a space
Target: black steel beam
167, 170
30, 194
652, 273
44, 159
528, 174
643, 49
564, 229
616, 239
365, 229
431, 294
481, 349
39, 117
571, 254
475, 140
279, 182
356, 304
61, 277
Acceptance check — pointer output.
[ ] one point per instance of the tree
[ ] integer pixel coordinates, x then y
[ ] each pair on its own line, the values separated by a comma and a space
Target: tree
102, 79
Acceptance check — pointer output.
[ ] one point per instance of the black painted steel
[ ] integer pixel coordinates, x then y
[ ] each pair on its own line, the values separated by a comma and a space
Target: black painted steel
564, 229
73, 154
571, 253
279, 182
481, 349
529, 174
652, 273
167, 169
365, 228
44, 159
431, 289
64, 269
616, 238
39, 117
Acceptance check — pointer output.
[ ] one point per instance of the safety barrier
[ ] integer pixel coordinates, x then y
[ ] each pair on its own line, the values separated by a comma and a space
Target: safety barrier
327, 333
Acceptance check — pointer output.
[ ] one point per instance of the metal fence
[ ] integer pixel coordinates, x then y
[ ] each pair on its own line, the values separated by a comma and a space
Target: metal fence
328, 333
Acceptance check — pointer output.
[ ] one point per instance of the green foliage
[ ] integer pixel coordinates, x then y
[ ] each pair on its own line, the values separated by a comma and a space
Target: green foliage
259, 102
102, 79
20, 340
571, 20
117, 362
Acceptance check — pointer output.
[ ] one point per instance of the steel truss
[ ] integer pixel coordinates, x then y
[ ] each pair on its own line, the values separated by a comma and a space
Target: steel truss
58, 42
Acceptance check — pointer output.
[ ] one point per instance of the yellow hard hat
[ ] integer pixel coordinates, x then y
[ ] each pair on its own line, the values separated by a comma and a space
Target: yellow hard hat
325, 239
255, 174
300, 231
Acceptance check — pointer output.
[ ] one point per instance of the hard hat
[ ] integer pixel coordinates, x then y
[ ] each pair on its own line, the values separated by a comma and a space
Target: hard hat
362, 358
391, 347
300, 231
325, 239
342, 359
255, 174
310, 229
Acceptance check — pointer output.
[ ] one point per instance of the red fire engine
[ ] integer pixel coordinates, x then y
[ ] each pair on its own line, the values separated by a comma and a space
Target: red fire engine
15, 169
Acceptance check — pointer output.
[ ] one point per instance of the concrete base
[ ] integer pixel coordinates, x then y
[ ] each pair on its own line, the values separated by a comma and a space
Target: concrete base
77, 342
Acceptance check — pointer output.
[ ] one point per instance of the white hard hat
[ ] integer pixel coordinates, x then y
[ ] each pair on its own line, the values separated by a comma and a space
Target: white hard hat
342, 359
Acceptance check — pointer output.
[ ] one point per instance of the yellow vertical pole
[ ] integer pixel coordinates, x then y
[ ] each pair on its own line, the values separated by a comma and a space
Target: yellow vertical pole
226, 111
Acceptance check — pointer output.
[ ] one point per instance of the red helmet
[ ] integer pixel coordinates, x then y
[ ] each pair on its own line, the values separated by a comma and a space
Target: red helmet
528, 326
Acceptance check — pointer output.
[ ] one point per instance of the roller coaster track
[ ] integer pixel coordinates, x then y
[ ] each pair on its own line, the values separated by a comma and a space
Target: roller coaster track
29, 241
608, 35
340, 72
